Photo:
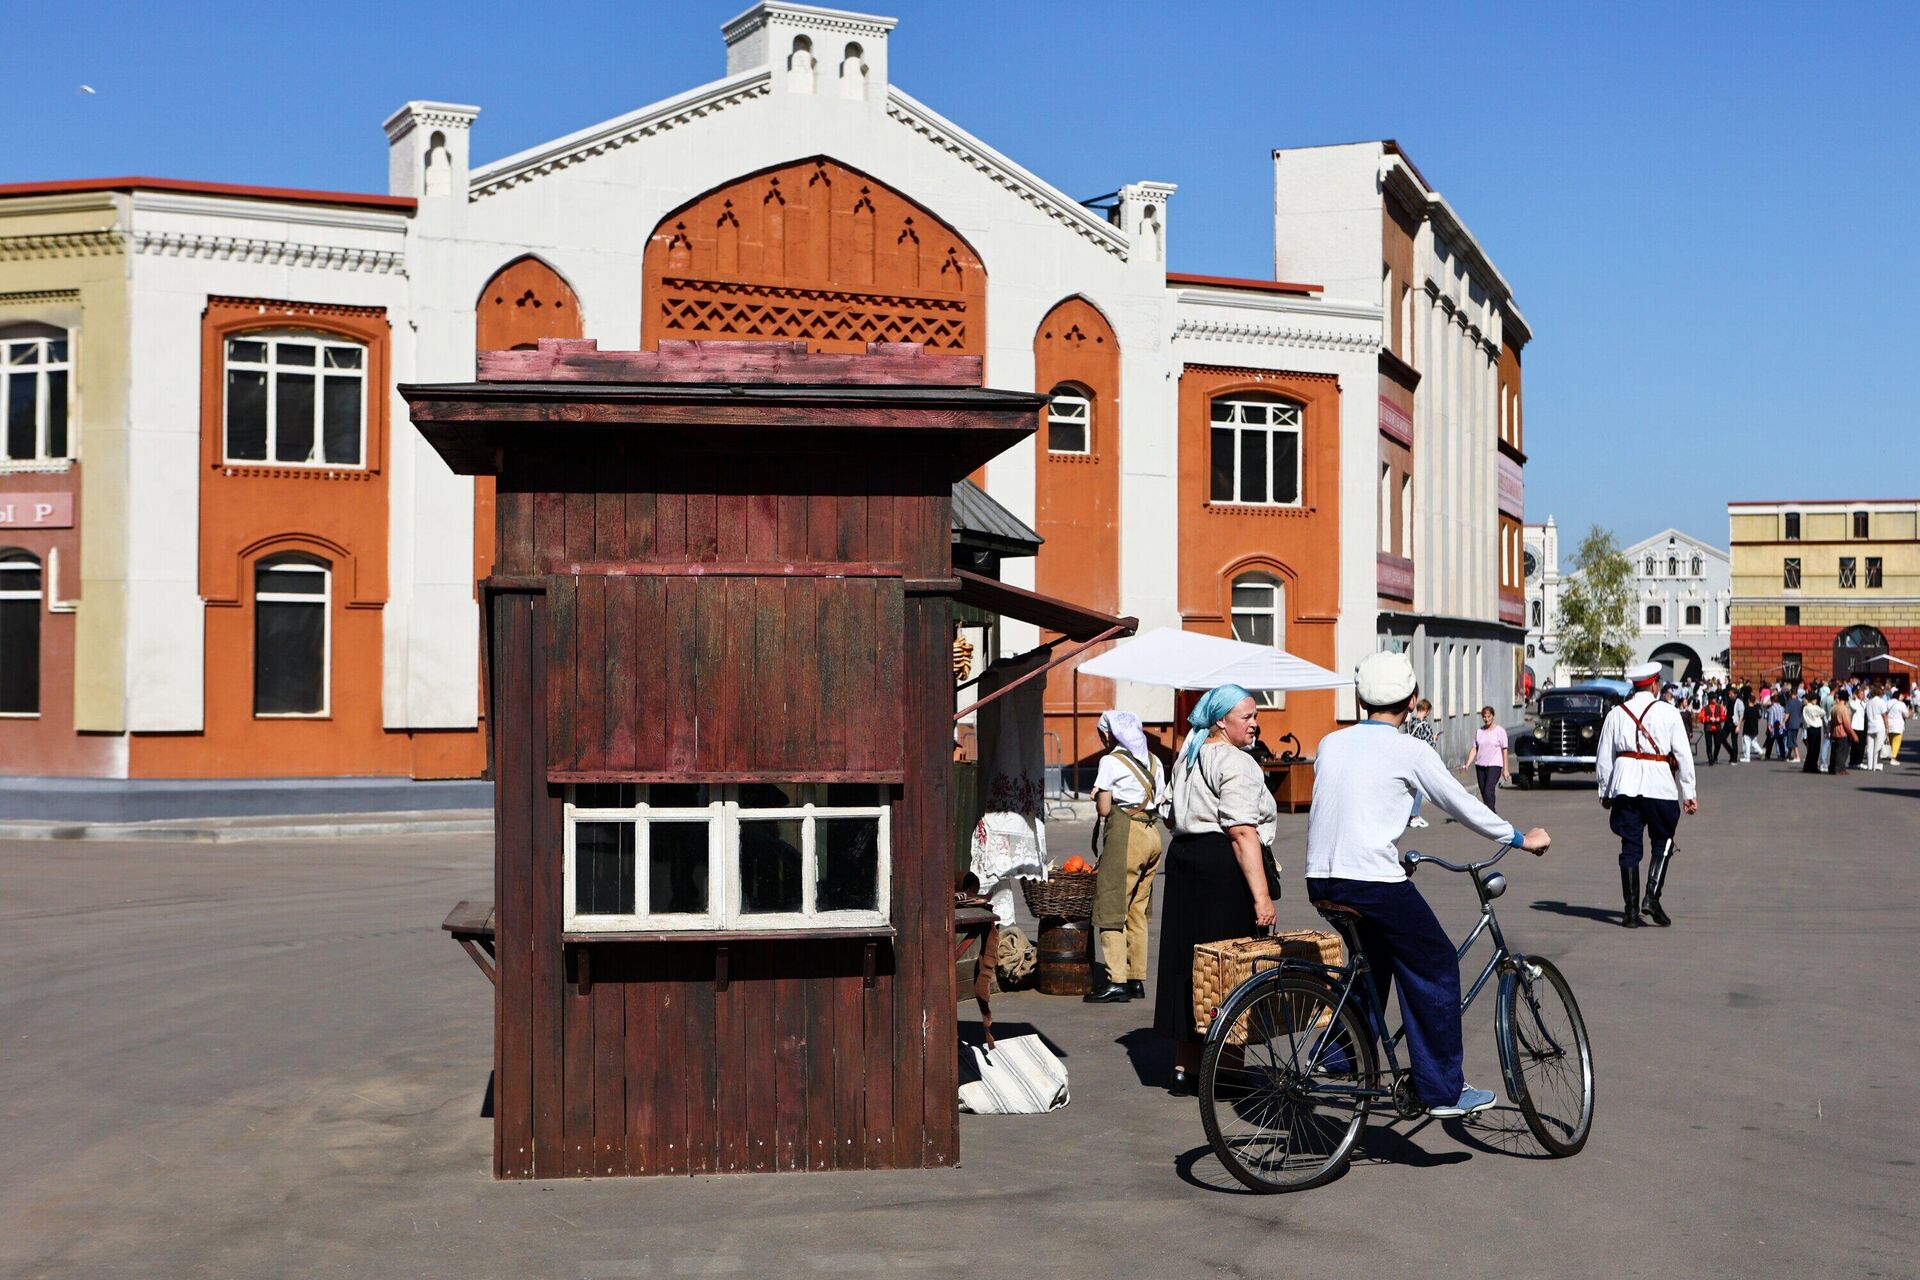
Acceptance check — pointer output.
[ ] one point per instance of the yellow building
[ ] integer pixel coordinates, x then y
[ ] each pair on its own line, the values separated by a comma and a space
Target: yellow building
1825, 588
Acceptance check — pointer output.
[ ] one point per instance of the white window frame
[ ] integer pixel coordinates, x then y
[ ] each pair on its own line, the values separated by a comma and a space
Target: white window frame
722, 818
1078, 409
20, 561
325, 602
272, 366
44, 367
1276, 611
1242, 420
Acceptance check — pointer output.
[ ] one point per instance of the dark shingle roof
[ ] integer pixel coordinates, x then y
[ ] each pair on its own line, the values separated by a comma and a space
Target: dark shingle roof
981, 522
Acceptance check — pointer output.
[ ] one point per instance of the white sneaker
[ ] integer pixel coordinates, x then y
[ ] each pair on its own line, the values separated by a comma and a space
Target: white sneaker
1416, 821
1471, 1100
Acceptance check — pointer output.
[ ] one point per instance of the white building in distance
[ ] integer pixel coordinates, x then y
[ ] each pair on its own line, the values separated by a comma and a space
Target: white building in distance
1682, 591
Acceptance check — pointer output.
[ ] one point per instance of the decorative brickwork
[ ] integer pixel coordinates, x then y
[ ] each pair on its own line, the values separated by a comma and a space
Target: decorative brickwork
722, 309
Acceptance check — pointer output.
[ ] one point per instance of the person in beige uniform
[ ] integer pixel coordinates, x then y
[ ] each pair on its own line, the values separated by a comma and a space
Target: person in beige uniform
1129, 792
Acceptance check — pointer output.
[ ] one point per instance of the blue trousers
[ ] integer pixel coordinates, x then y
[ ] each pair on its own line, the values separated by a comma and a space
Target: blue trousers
1403, 940
1631, 816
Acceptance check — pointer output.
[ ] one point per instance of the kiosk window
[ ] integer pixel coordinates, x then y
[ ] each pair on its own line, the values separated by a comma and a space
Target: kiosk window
758, 855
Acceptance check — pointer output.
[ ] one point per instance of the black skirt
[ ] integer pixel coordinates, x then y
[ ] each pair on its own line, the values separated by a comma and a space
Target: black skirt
1206, 899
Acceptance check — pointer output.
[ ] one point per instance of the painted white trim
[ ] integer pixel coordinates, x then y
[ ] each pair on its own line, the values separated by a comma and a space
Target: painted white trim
324, 600
1045, 197
723, 817
273, 367
297, 213
524, 166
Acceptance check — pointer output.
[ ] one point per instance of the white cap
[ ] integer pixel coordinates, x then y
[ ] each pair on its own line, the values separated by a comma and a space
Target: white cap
1383, 679
1645, 671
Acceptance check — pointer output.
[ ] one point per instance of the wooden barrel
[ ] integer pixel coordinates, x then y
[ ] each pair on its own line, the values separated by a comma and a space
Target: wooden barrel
1065, 965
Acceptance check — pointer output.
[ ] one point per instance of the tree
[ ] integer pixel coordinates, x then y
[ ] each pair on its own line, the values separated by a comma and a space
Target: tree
1596, 607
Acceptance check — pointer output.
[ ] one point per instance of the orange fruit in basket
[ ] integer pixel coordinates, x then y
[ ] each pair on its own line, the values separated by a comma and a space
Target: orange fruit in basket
1075, 863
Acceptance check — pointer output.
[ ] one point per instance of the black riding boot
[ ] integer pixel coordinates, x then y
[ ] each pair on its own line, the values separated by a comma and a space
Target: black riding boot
1656, 882
1105, 989
1630, 890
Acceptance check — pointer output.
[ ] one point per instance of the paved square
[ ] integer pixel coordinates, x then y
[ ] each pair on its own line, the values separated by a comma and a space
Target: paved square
266, 1060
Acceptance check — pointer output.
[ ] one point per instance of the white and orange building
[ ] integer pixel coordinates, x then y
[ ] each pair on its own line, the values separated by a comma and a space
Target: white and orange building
239, 560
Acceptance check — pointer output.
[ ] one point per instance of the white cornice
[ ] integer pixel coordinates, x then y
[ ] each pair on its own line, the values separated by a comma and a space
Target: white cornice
38, 297
613, 134
841, 21
1251, 300
1002, 171
391, 221
433, 115
1685, 539
62, 244
1277, 335
334, 257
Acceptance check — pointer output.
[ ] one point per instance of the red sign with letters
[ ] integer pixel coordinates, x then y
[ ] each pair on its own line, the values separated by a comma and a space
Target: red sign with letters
36, 511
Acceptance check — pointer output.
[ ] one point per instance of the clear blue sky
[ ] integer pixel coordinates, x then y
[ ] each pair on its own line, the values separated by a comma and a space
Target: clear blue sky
1704, 209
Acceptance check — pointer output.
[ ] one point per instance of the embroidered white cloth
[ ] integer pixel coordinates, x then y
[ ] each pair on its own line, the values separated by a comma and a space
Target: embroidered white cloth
1010, 839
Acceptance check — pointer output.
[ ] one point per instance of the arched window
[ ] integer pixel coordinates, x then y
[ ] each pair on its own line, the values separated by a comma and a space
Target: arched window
292, 595
853, 72
1693, 615
20, 591
1861, 637
296, 400
1069, 419
34, 394
1258, 612
1539, 614
1256, 450
1673, 566
1696, 566
1650, 566
1654, 615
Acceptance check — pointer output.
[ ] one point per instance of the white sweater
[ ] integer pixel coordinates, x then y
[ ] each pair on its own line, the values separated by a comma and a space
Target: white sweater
1364, 781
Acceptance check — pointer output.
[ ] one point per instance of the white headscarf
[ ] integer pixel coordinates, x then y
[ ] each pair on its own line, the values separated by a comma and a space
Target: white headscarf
1124, 726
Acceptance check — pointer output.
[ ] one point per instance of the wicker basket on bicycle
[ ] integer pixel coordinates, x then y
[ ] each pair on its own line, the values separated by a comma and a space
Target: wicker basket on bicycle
1219, 967
1063, 895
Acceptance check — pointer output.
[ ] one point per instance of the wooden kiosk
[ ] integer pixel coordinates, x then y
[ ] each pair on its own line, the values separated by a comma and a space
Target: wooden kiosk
720, 717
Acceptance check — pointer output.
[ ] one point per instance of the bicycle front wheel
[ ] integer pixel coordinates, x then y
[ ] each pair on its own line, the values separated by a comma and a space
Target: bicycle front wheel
1284, 1085
1546, 1057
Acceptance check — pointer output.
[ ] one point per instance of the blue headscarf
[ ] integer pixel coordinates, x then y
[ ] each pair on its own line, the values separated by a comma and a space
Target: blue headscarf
1212, 709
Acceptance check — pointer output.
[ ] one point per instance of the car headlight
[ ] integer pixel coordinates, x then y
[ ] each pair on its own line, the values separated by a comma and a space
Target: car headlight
1586, 731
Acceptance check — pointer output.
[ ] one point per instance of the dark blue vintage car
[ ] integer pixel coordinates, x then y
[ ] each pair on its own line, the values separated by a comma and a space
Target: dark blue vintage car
1563, 732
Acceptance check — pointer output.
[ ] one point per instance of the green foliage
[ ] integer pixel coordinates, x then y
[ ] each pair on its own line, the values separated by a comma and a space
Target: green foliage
1596, 607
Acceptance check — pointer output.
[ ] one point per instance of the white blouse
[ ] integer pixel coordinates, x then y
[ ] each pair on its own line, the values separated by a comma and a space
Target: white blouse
1226, 789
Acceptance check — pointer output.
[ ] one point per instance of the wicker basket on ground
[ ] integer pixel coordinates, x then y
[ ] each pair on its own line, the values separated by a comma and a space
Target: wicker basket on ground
1219, 967
1063, 895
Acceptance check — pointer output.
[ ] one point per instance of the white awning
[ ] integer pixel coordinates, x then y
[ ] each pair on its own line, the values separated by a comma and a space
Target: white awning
1176, 659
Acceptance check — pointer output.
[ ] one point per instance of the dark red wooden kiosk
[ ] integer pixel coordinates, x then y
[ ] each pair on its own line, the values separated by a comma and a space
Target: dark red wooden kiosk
720, 719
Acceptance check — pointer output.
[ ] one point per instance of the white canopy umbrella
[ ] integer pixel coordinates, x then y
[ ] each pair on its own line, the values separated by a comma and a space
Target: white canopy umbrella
1176, 659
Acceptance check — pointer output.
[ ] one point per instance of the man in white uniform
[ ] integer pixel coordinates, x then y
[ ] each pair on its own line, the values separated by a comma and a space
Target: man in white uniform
1645, 771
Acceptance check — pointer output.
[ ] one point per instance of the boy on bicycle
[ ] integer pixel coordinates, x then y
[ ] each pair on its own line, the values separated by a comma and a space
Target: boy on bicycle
1366, 782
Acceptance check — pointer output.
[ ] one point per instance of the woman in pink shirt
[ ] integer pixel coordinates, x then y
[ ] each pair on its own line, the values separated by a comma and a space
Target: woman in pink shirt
1489, 756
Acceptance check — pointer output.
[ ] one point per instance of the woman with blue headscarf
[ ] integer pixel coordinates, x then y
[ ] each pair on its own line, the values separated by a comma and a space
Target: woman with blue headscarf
1128, 792
1223, 820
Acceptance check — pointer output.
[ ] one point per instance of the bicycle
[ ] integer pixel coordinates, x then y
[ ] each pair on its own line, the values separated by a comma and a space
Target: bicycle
1289, 1071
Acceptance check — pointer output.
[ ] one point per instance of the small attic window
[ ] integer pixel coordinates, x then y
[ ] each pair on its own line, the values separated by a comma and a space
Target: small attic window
853, 72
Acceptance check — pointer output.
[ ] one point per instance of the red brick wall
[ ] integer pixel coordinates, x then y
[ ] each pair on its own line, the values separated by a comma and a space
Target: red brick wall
1757, 649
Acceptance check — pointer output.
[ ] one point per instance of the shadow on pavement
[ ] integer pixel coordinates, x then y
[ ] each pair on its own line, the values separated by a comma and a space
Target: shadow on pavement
1383, 1144
1500, 1131
1151, 1055
1909, 792
1579, 911
970, 1034
1379, 1144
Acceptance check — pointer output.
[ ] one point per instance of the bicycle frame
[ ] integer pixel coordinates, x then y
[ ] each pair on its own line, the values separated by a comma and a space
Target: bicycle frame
1343, 978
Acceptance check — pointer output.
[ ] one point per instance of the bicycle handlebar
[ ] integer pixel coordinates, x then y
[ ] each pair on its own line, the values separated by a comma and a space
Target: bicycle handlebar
1413, 858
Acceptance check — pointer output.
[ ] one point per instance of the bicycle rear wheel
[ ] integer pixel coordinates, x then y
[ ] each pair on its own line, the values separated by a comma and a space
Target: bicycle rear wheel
1281, 1084
1546, 1057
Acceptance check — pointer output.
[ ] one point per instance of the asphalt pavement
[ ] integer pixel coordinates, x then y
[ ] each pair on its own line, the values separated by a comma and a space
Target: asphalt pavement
265, 1059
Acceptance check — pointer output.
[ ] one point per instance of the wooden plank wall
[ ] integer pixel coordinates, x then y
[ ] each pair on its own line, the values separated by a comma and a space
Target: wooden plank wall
739, 676
652, 1067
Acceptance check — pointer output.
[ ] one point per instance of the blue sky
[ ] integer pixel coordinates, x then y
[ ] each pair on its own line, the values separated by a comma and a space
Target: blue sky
1703, 209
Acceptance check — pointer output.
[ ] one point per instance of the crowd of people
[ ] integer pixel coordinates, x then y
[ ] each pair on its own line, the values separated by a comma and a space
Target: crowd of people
1828, 726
